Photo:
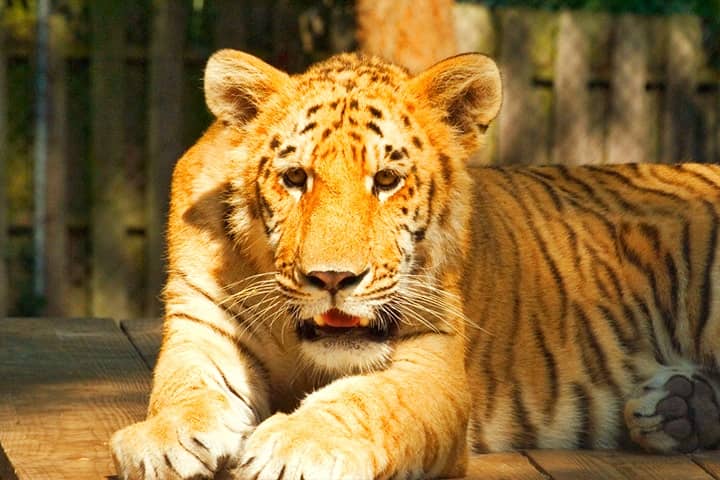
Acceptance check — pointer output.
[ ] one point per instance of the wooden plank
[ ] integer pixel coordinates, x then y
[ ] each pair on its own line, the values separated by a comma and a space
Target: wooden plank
570, 88
67, 386
109, 187
629, 121
680, 116
7, 471
146, 335
164, 134
515, 125
56, 250
526, 46
497, 466
709, 461
603, 464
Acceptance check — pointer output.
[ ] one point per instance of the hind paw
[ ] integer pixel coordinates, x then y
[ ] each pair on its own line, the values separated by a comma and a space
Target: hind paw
675, 411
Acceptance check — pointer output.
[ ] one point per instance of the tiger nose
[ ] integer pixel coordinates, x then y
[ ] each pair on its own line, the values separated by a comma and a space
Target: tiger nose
334, 281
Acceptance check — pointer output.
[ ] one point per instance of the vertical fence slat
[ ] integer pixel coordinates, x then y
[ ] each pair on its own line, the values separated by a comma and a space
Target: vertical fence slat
680, 115
515, 127
572, 97
230, 30
628, 129
164, 133
4, 307
109, 290
524, 116
56, 225
475, 32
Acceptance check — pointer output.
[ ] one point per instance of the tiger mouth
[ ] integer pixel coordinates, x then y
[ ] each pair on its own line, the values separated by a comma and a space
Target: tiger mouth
336, 324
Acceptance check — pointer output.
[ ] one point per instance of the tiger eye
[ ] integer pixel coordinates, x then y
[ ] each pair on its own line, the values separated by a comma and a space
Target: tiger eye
386, 180
295, 178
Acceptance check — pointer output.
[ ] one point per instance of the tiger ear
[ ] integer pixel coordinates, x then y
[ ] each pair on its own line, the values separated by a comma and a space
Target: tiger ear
468, 90
236, 84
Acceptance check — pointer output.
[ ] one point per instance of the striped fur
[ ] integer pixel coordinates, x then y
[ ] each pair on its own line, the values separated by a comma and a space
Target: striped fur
502, 308
607, 274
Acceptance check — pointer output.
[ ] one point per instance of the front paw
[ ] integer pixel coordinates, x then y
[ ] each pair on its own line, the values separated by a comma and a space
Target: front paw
178, 445
309, 446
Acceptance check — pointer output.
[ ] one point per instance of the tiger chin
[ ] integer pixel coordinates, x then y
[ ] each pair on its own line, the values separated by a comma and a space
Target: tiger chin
346, 299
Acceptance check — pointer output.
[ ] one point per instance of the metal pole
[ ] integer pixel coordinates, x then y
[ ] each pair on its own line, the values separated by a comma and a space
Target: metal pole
41, 146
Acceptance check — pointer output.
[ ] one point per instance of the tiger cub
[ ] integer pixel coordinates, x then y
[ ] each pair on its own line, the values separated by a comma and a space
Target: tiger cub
346, 299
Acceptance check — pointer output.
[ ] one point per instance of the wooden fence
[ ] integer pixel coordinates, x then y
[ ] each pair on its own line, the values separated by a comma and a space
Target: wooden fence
579, 88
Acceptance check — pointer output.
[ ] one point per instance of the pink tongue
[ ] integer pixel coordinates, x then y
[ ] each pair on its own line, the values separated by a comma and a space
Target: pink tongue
336, 318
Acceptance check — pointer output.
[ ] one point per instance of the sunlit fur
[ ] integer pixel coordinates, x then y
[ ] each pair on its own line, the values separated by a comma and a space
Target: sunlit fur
522, 312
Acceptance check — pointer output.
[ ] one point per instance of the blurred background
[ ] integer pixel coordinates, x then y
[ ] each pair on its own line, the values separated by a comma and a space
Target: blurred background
98, 98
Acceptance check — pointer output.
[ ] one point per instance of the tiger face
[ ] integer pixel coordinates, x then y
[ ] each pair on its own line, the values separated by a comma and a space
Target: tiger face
357, 194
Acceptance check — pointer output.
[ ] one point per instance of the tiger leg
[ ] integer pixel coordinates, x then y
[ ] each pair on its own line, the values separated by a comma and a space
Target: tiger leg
676, 410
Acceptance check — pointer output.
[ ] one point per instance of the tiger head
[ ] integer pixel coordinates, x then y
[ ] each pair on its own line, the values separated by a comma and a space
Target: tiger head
349, 185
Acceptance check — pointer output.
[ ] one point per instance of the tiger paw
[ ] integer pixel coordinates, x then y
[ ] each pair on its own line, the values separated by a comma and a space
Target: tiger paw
173, 445
673, 412
309, 446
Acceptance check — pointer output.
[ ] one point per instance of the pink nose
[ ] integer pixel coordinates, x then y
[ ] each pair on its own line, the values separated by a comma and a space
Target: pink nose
333, 281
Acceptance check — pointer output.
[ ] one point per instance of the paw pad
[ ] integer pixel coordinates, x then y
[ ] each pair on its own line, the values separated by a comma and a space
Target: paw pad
685, 416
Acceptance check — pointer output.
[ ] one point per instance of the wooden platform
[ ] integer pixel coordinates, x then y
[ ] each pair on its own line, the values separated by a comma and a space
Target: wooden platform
67, 384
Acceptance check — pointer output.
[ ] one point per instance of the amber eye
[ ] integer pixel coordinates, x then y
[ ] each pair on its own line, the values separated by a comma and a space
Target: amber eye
295, 178
386, 180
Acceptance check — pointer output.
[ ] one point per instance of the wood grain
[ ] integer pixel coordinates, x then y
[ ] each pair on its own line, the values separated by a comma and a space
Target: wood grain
497, 466
600, 464
4, 303
680, 116
67, 385
146, 335
572, 97
628, 125
109, 183
710, 462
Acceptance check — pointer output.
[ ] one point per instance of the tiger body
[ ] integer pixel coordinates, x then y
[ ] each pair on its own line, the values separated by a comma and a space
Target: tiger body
607, 276
345, 299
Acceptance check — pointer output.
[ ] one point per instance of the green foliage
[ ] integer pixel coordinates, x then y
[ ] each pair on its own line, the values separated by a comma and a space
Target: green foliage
703, 8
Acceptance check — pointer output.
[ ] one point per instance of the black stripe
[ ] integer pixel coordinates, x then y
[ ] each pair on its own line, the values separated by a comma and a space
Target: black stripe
286, 151
308, 127
526, 437
488, 373
231, 388
624, 341
585, 187
596, 360
650, 327
706, 290
445, 167
651, 233
549, 260
611, 171
373, 126
710, 183
584, 430
548, 189
550, 367
672, 275
687, 259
